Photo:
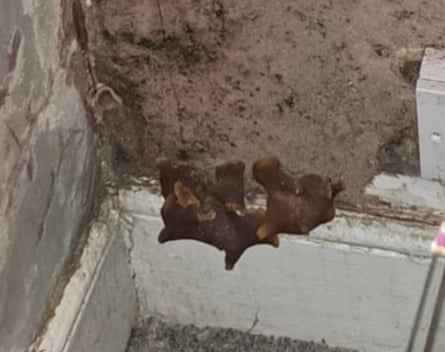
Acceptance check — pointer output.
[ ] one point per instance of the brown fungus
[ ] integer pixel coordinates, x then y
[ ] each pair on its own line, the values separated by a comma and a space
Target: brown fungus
217, 225
192, 181
214, 213
229, 185
226, 231
267, 172
294, 205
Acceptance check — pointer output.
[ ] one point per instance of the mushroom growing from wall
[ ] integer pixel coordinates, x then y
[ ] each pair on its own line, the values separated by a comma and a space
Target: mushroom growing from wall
213, 211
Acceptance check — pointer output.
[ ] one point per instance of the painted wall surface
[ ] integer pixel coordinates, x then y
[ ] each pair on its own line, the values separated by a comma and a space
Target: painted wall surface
47, 166
350, 295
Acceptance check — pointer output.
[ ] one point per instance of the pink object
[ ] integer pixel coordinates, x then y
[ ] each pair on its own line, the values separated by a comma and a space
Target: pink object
438, 245
440, 239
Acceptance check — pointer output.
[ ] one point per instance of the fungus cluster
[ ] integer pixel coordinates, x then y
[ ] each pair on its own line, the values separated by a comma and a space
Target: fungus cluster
212, 209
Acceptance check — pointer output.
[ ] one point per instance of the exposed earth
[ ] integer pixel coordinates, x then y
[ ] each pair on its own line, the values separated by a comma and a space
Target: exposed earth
308, 82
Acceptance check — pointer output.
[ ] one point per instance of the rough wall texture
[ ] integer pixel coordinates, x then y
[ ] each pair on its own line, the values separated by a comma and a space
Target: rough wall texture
310, 82
48, 164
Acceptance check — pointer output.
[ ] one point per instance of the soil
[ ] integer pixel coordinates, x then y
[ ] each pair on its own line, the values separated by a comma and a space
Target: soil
307, 81
156, 336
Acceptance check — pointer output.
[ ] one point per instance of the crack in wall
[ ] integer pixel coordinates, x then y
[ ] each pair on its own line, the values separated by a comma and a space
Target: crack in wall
14, 49
13, 135
161, 18
54, 175
3, 95
13, 179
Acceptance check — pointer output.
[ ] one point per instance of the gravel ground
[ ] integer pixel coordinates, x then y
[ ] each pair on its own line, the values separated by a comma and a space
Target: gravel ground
156, 336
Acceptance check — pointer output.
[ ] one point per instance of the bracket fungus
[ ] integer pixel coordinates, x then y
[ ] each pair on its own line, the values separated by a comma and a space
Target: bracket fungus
198, 209
229, 185
294, 205
213, 211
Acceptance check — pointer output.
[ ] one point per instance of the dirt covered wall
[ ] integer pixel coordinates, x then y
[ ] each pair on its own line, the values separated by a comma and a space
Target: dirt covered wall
310, 82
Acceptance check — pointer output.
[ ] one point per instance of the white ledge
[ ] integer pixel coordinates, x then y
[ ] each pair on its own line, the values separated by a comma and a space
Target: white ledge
405, 197
98, 305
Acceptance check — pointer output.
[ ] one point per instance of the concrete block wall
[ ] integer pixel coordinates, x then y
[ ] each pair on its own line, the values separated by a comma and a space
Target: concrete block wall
48, 166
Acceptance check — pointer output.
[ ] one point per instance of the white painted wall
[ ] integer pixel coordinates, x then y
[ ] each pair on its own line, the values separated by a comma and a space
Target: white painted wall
430, 100
351, 295
98, 306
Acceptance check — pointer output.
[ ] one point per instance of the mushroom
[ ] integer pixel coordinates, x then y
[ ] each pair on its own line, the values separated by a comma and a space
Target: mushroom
229, 185
294, 205
213, 213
